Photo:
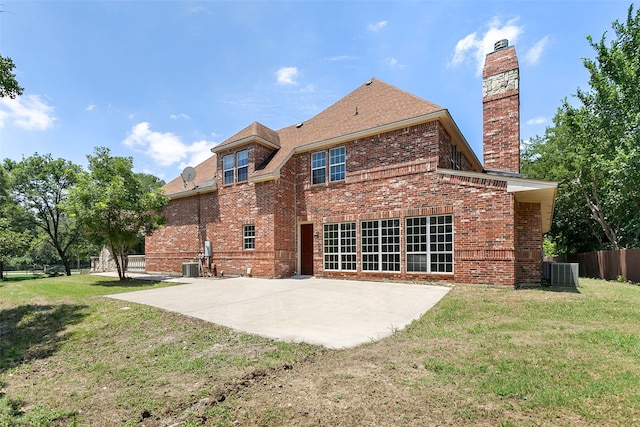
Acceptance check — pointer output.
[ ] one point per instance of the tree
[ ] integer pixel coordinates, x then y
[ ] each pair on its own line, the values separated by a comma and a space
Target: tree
593, 149
13, 241
41, 185
114, 207
8, 84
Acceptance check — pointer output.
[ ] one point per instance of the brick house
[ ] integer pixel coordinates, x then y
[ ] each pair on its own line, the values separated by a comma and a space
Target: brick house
380, 185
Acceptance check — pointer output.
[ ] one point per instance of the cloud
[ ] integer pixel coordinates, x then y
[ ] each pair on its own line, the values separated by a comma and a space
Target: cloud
165, 148
199, 152
179, 116
474, 47
91, 107
286, 75
537, 121
377, 26
533, 55
340, 58
27, 112
394, 63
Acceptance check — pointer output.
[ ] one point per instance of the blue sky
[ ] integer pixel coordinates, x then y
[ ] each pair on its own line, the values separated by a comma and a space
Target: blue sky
164, 81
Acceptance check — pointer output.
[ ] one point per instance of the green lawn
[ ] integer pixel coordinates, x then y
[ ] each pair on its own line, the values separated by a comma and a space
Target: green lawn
482, 356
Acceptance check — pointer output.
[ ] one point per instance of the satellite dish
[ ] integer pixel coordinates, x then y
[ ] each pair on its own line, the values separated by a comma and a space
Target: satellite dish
188, 175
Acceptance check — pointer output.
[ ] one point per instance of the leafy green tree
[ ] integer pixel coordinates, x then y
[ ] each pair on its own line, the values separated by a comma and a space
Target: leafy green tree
40, 185
593, 148
114, 207
8, 84
149, 182
12, 243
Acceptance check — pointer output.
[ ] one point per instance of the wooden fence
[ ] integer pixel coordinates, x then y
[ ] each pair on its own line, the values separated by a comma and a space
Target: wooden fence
608, 265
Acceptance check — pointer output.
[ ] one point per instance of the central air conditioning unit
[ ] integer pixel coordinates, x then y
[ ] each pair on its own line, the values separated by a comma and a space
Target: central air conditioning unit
190, 269
564, 274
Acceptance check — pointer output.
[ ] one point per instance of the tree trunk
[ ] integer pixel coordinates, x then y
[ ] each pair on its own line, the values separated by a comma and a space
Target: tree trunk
67, 267
115, 254
597, 214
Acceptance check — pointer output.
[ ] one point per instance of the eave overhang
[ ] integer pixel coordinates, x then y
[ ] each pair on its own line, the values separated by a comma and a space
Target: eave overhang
525, 191
204, 187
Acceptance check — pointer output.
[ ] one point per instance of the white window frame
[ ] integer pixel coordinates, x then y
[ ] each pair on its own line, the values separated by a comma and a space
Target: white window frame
248, 237
228, 170
430, 240
380, 245
337, 164
340, 246
244, 167
315, 160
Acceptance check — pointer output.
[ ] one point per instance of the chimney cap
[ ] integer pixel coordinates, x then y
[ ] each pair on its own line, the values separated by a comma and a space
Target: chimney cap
500, 44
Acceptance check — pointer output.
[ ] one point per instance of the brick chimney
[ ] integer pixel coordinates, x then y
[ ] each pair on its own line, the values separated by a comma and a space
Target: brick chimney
501, 109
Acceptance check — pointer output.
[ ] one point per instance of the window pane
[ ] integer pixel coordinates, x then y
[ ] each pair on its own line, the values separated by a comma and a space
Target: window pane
228, 162
319, 176
243, 174
243, 158
228, 177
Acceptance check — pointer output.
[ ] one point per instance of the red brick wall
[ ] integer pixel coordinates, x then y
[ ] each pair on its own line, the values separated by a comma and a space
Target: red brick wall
183, 236
483, 211
491, 243
528, 243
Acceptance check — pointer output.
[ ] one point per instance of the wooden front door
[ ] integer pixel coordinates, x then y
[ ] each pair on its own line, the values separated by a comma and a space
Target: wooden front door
306, 249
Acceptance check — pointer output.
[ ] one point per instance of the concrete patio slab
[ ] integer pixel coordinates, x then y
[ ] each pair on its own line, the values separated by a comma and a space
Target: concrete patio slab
332, 313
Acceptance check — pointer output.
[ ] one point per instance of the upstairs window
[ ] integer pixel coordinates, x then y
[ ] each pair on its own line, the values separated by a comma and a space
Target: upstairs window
242, 164
236, 166
455, 158
319, 167
228, 169
337, 164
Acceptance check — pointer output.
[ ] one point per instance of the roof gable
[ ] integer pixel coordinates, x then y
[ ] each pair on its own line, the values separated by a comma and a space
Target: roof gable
370, 106
255, 132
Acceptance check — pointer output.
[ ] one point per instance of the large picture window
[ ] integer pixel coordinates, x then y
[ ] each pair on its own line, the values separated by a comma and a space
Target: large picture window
340, 246
242, 165
380, 245
319, 167
430, 244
